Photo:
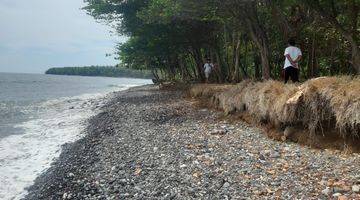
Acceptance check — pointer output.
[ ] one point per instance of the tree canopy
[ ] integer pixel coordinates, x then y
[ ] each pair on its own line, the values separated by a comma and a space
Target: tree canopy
244, 38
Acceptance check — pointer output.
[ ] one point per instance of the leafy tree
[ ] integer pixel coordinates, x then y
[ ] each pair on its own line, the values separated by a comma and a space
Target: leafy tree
245, 38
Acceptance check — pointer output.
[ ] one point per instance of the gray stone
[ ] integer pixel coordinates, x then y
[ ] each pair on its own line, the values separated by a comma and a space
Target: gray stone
218, 132
356, 188
226, 185
326, 191
275, 155
337, 195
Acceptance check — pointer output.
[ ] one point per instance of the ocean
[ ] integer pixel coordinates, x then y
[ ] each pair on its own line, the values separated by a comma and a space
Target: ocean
40, 113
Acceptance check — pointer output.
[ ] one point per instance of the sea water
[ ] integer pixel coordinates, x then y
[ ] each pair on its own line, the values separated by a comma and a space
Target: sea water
40, 113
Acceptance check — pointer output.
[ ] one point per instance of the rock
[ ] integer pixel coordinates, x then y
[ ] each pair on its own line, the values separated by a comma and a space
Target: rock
183, 166
275, 155
226, 185
337, 189
342, 197
224, 126
125, 195
261, 157
123, 181
356, 188
267, 152
288, 131
275, 183
326, 191
286, 149
337, 195
323, 182
218, 132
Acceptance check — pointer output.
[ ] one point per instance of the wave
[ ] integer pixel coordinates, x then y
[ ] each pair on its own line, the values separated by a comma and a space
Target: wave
59, 121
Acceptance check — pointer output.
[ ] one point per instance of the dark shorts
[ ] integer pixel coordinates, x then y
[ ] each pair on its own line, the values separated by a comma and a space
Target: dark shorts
293, 73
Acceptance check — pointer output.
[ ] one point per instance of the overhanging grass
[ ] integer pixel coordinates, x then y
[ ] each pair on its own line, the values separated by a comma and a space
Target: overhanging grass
318, 105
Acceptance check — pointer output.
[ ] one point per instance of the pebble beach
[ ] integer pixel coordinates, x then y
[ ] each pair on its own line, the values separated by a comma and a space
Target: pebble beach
148, 143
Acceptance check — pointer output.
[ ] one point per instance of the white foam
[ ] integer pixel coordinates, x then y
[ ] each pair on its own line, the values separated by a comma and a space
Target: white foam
24, 157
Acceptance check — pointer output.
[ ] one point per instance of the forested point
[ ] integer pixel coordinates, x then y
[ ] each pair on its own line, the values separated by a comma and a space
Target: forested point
243, 38
106, 71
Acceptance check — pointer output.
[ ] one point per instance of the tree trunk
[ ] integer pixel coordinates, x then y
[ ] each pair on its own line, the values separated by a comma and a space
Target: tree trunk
355, 57
258, 35
312, 60
199, 63
257, 68
219, 69
183, 71
332, 58
245, 62
281, 20
264, 52
235, 77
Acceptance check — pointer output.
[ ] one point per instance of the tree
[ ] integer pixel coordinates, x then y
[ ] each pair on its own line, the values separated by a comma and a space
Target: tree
245, 38
344, 17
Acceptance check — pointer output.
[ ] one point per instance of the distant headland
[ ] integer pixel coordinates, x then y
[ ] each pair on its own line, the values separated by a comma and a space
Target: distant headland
104, 71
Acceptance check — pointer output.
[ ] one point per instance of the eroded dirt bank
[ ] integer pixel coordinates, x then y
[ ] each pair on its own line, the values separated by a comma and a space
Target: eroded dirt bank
323, 112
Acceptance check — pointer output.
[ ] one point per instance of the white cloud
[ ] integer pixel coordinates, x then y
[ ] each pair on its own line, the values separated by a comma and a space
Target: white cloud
54, 26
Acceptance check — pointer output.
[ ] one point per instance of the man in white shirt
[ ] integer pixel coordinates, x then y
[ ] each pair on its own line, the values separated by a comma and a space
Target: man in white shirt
292, 57
208, 66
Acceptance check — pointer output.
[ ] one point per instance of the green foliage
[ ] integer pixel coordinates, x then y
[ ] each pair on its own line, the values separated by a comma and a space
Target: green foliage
100, 71
246, 39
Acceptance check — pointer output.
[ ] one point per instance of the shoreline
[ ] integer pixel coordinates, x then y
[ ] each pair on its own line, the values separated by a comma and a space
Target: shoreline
58, 121
147, 143
69, 152
47, 118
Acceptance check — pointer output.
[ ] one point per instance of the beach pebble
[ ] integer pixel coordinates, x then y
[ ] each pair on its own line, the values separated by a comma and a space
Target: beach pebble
342, 197
356, 188
275, 154
337, 195
218, 132
226, 185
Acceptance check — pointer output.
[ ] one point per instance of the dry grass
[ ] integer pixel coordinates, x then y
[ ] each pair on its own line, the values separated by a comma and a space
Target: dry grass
208, 90
319, 105
333, 100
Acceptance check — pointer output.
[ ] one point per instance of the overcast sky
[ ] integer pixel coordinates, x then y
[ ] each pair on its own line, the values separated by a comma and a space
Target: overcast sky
38, 34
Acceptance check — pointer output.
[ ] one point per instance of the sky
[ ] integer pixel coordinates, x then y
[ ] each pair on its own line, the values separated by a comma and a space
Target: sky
38, 34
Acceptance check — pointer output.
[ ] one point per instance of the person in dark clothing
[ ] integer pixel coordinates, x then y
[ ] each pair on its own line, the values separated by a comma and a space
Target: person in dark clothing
292, 57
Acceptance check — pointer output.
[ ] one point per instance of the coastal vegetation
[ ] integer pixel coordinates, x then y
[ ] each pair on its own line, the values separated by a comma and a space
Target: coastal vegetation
318, 112
106, 71
245, 39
